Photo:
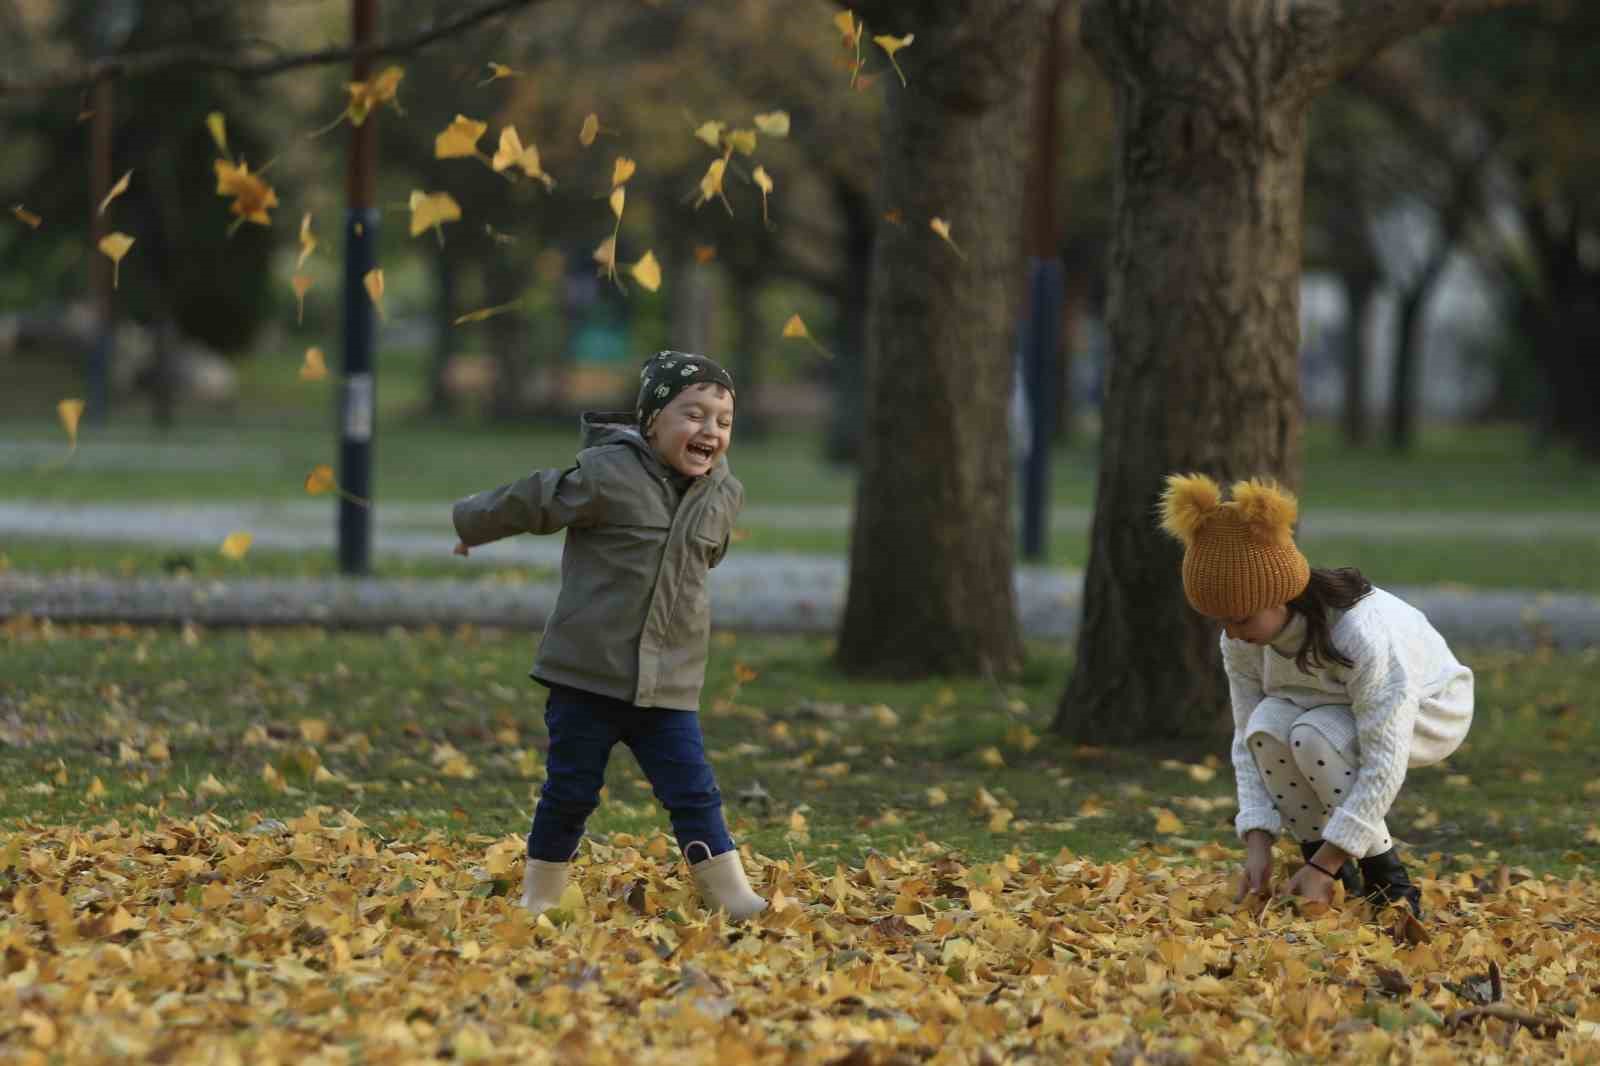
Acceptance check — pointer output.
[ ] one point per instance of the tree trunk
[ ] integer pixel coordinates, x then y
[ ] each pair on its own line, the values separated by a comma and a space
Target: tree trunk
843, 442
445, 270
752, 422
1361, 290
1406, 385
1203, 313
931, 555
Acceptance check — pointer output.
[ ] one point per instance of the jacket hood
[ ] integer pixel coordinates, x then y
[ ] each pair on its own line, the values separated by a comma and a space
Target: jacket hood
611, 427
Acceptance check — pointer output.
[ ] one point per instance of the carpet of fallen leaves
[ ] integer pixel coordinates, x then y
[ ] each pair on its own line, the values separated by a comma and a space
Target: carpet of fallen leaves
319, 941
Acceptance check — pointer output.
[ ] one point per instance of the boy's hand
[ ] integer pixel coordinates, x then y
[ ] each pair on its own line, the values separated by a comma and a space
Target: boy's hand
461, 548
1257, 880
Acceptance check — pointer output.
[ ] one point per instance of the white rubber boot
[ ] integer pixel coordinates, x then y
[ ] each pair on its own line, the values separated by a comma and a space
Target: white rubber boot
723, 886
542, 884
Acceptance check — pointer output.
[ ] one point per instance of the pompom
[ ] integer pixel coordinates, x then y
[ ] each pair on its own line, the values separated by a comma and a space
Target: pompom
1189, 500
1269, 509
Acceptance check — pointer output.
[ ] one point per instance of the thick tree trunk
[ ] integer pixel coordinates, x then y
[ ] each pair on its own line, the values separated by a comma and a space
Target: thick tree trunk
1405, 391
1361, 290
445, 270
1204, 322
843, 441
751, 340
931, 555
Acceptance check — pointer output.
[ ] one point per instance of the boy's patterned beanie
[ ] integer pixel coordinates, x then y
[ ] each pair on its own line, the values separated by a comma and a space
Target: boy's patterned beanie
666, 374
1239, 557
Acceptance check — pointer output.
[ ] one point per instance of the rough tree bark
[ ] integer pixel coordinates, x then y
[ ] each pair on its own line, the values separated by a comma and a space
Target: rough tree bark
1203, 312
931, 553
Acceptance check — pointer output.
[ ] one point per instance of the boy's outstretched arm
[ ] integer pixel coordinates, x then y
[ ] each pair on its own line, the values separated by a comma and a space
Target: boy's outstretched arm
543, 502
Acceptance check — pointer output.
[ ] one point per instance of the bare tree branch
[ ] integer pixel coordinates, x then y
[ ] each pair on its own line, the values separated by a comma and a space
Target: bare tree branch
159, 60
1333, 37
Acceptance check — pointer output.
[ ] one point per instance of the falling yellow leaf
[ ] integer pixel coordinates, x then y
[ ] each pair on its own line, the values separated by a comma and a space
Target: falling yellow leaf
795, 329
764, 183
606, 256
773, 123
619, 197
705, 253
647, 272
498, 237
849, 28
115, 246
253, 197
486, 312
498, 71
711, 133
315, 366
218, 125
711, 184
366, 95
621, 171
302, 285
942, 228
432, 211
891, 45
308, 242
70, 411
234, 545
116, 190
894, 217
459, 139
512, 153
1166, 821
26, 217
373, 281
320, 480
591, 128
744, 141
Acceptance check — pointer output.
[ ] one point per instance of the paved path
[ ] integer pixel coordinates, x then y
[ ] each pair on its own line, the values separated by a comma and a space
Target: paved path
774, 592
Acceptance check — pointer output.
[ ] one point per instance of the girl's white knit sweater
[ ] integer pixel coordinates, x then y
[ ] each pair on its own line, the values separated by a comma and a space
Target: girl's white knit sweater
1411, 699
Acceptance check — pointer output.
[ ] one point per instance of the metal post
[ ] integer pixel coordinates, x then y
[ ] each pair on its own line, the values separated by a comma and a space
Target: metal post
102, 347
1040, 335
357, 397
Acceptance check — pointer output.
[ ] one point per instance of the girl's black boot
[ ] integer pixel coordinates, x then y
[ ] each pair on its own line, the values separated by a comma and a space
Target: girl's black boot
1347, 873
1386, 881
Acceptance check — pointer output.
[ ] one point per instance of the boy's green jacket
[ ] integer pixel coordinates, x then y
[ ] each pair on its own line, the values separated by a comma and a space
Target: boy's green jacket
633, 620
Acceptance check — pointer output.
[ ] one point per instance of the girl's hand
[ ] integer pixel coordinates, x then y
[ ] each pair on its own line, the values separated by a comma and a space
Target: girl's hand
1311, 883
461, 548
1257, 880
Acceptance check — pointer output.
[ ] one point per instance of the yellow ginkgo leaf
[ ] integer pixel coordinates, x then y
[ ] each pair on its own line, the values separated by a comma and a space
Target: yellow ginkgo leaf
498, 237
512, 152
252, 197
432, 210
70, 411
743, 140
763, 182
366, 95
621, 171
591, 129
498, 71
115, 246
704, 253
942, 228
218, 125
647, 272
116, 190
320, 480
619, 197
26, 217
795, 329
373, 281
711, 133
459, 139
234, 545
315, 367
606, 256
891, 45
711, 184
308, 242
773, 123
486, 312
302, 285
849, 28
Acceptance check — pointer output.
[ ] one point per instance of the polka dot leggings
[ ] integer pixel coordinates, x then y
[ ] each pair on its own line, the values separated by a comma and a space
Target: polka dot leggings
1308, 760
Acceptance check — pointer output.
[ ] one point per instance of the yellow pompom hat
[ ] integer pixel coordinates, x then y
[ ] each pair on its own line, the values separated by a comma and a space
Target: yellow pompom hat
1239, 557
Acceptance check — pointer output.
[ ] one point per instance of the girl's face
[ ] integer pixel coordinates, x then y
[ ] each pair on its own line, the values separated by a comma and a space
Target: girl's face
1258, 628
693, 431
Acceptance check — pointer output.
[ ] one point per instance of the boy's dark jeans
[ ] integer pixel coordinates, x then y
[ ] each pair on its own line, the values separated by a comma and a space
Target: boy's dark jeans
583, 728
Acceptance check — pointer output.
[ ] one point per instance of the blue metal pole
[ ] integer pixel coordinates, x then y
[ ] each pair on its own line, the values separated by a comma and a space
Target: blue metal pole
358, 396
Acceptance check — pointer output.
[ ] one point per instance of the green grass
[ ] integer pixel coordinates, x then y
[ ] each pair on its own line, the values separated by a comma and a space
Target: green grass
847, 764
